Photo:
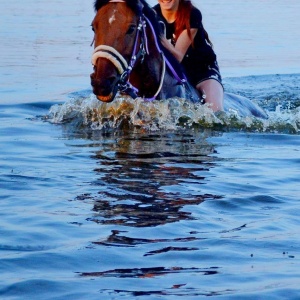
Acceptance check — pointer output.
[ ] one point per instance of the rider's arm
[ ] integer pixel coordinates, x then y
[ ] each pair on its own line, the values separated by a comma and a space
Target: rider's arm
182, 44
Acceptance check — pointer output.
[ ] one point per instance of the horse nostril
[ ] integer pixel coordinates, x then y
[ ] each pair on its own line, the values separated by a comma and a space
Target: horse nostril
111, 79
93, 79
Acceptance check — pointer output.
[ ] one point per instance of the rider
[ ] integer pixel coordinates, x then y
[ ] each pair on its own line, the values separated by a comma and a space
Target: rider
188, 41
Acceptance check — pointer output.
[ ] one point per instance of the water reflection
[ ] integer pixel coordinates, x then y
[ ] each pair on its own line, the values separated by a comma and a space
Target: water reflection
150, 272
117, 238
145, 182
143, 179
178, 289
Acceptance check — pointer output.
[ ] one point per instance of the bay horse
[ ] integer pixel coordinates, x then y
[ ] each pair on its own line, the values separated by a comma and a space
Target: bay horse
128, 57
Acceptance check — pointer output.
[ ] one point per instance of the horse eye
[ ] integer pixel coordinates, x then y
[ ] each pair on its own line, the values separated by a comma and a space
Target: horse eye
93, 27
131, 29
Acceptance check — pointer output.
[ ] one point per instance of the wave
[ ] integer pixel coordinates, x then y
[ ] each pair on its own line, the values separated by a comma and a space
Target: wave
278, 95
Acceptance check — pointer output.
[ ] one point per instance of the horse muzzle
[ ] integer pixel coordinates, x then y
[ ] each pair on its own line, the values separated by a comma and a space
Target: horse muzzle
106, 99
105, 90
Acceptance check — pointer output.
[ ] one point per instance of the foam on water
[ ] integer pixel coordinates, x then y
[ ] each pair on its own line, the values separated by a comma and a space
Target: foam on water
281, 103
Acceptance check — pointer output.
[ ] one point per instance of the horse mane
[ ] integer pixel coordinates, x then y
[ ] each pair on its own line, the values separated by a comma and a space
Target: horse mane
142, 7
151, 14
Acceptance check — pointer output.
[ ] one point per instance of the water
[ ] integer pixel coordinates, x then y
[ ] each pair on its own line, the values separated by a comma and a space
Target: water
147, 201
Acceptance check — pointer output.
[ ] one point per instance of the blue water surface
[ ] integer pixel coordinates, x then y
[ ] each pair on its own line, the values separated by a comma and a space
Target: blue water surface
92, 208
154, 215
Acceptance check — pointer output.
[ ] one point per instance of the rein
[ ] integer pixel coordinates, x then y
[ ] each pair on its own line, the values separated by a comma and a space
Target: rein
124, 68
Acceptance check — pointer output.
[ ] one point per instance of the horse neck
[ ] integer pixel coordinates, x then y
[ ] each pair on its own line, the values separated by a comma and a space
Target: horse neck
146, 76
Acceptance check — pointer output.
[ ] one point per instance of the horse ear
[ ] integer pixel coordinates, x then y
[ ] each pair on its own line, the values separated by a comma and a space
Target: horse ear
140, 5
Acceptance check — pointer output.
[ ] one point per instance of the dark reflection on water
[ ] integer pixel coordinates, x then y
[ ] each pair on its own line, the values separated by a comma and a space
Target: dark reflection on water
164, 215
141, 180
115, 239
150, 272
148, 211
158, 212
178, 293
182, 289
133, 180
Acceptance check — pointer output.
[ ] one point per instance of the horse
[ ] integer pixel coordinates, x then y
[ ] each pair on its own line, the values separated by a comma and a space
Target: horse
129, 58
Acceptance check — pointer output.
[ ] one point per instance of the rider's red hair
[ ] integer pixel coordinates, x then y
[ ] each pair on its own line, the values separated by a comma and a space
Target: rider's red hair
183, 20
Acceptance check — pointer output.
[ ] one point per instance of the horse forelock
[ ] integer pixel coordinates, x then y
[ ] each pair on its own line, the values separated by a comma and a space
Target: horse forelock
99, 3
135, 5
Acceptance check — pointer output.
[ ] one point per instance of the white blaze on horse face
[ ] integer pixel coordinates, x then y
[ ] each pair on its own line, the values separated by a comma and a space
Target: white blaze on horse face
113, 17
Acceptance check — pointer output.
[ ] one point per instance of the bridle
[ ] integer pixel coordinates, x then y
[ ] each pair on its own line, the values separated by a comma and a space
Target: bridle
124, 68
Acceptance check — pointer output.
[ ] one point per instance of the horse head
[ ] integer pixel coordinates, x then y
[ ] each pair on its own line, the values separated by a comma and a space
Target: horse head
121, 58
